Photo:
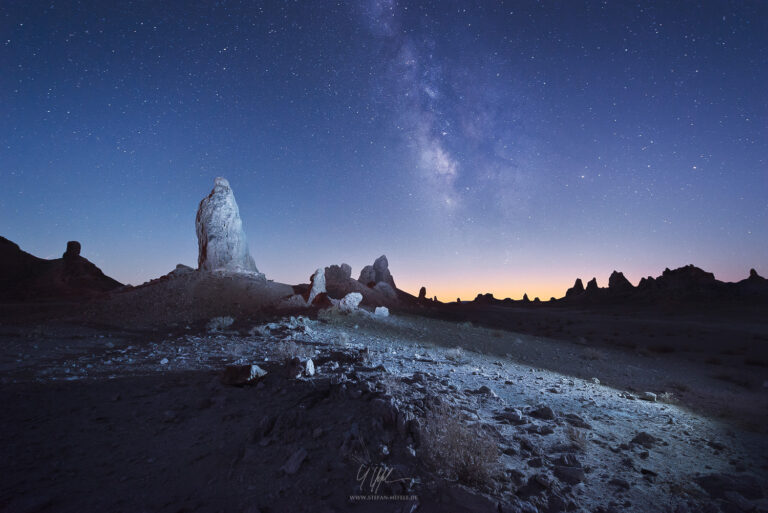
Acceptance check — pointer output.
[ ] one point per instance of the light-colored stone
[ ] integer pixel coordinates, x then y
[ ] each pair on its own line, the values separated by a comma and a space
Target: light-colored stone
221, 240
309, 367
318, 285
350, 302
237, 375
381, 311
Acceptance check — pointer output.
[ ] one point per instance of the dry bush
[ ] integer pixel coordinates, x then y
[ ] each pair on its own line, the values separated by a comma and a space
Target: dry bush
458, 450
667, 398
287, 349
590, 353
392, 385
455, 354
577, 437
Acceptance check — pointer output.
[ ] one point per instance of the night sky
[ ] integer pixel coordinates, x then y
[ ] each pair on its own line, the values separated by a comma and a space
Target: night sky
501, 147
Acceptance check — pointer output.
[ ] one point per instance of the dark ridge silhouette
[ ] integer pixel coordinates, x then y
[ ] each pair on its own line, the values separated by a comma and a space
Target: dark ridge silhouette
26, 277
688, 284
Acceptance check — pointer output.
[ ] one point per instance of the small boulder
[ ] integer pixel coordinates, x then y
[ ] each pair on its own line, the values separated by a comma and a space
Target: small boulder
294, 462
570, 475
644, 439
239, 375
543, 412
381, 311
350, 302
309, 367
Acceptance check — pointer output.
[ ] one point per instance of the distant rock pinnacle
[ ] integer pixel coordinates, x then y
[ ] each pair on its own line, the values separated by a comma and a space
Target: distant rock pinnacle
220, 236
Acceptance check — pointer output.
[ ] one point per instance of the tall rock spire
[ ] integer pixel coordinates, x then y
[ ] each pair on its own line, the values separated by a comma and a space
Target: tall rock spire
220, 236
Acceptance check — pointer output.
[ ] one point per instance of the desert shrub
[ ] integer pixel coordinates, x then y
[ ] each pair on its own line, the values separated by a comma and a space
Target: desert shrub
219, 324
457, 449
455, 354
667, 398
287, 349
577, 437
590, 353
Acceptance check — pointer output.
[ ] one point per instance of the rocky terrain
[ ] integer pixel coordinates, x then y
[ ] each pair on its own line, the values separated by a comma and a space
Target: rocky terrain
349, 412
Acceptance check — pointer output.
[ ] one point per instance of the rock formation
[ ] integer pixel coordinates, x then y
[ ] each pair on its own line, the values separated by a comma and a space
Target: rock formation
578, 288
377, 273
617, 282
220, 236
317, 285
422, 294
367, 276
73, 250
26, 277
338, 273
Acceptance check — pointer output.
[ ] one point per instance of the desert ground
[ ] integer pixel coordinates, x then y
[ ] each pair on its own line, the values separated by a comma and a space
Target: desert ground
454, 408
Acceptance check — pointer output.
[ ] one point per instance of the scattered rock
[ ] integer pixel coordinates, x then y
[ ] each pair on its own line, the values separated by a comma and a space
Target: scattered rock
568, 460
649, 396
350, 302
543, 412
381, 311
294, 462
576, 421
570, 475
644, 439
221, 239
622, 484
309, 367
239, 375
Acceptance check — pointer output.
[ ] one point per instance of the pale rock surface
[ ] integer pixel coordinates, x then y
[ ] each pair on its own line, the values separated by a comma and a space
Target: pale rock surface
381, 311
318, 285
221, 240
350, 302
